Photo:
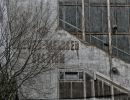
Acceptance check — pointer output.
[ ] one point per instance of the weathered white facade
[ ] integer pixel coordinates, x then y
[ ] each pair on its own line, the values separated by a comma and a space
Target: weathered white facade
80, 56
87, 59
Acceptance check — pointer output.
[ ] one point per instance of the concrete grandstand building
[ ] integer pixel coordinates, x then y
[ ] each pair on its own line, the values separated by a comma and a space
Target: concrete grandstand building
95, 63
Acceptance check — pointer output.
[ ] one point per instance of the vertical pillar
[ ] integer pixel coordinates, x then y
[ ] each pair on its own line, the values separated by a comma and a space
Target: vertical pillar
112, 92
58, 83
76, 14
102, 88
90, 40
71, 95
83, 21
77, 18
92, 89
84, 86
109, 34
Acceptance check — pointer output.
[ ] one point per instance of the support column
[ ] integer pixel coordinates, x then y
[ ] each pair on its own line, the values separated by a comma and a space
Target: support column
93, 89
71, 90
109, 34
84, 86
83, 21
112, 92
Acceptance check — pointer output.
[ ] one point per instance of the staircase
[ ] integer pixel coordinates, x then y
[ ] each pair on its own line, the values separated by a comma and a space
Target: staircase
114, 88
101, 42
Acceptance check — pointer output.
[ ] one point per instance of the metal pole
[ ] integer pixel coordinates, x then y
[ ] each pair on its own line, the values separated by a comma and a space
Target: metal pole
110, 38
109, 34
83, 21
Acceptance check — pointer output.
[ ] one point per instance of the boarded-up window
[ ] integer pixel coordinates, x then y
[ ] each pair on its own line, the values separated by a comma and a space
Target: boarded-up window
88, 86
71, 85
77, 90
88, 89
102, 89
65, 90
98, 89
71, 90
107, 91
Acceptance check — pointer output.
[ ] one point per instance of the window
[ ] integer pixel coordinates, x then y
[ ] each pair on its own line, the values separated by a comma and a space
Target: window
95, 22
71, 85
71, 14
71, 75
95, 15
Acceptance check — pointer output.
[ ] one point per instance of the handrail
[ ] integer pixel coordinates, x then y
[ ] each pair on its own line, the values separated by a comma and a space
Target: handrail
112, 46
95, 37
114, 83
97, 75
70, 24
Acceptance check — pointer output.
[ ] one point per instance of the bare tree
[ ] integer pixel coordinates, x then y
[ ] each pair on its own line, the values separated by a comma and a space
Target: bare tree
26, 51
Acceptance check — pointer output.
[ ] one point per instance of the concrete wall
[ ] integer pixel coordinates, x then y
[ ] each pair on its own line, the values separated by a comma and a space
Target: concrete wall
46, 8
87, 57
43, 86
94, 59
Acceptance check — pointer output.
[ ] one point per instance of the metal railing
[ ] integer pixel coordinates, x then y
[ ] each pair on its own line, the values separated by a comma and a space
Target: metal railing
96, 38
